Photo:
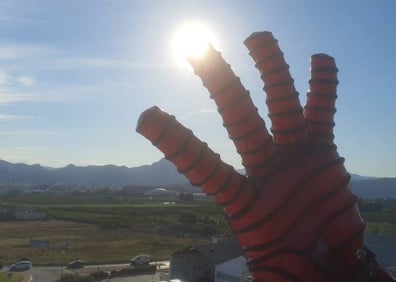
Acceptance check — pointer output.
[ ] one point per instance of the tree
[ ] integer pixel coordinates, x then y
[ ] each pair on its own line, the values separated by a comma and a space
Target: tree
76, 278
188, 217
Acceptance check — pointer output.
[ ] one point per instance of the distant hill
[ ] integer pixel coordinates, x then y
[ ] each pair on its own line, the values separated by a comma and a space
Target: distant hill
161, 173
375, 188
358, 177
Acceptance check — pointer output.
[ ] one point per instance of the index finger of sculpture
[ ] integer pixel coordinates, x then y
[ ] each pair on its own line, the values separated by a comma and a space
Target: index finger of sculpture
240, 117
191, 156
286, 114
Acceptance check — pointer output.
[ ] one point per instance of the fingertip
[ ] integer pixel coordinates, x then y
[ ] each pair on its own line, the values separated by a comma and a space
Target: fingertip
322, 56
322, 60
256, 39
207, 55
144, 116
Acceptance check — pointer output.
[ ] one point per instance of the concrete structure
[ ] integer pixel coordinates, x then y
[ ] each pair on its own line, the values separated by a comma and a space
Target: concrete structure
220, 262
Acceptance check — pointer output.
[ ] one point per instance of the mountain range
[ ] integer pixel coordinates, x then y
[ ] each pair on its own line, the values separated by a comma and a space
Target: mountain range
161, 173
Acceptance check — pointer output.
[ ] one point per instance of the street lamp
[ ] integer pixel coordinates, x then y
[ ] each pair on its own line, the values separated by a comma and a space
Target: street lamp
62, 262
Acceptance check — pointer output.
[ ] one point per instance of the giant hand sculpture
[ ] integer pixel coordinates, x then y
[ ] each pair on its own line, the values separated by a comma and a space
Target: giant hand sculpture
293, 214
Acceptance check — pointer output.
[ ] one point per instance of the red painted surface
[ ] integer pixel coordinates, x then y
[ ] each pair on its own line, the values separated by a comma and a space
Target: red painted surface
293, 213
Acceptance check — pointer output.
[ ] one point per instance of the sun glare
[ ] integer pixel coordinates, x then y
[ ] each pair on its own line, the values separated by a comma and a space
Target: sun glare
192, 41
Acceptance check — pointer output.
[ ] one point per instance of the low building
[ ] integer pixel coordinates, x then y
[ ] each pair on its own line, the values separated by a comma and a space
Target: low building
185, 196
4, 210
220, 262
28, 215
161, 193
136, 190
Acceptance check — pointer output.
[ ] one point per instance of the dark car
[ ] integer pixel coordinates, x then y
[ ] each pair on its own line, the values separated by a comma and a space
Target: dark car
75, 264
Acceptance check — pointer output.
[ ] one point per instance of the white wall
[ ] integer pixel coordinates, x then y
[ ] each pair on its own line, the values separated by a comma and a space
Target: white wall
231, 271
29, 215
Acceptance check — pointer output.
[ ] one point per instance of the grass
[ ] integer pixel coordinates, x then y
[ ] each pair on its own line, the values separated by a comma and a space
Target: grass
133, 226
119, 211
16, 277
103, 228
87, 242
379, 228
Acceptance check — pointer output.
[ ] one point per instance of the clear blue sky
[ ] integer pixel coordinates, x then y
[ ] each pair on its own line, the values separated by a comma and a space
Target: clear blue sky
75, 75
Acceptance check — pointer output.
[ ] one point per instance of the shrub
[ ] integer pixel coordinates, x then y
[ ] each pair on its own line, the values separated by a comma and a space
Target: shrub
138, 269
188, 217
98, 276
209, 231
76, 278
107, 225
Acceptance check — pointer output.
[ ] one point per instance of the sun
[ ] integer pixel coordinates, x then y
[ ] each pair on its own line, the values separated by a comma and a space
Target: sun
192, 41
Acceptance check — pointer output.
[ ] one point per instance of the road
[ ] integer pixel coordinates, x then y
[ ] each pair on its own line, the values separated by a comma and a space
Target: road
51, 274
41, 274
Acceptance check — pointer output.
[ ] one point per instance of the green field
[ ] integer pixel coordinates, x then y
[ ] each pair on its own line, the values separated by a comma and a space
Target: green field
86, 241
380, 216
112, 228
117, 211
100, 229
15, 277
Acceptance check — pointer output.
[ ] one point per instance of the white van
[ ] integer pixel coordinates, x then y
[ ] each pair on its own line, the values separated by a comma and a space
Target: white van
140, 259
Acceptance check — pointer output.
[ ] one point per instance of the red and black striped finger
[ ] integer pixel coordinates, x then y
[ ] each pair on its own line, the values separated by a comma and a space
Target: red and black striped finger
320, 107
286, 114
191, 156
240, 117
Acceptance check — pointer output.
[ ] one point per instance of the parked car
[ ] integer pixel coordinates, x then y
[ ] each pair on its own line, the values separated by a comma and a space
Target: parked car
141, 259
21, 265
75, 264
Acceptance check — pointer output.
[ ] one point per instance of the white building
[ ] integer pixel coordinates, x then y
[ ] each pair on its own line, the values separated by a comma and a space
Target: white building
160, 193
232, 270
28, 215
220, 262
